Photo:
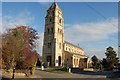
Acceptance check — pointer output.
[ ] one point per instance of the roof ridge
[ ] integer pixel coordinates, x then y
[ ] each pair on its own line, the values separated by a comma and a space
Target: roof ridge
73, 44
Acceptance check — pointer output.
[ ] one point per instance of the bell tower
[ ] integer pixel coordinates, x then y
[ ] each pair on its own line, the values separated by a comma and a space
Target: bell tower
53, 37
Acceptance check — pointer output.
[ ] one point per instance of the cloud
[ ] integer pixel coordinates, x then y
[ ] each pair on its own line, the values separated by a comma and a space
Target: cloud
11, 21
60, 0
93, 37
0, 17
91, 31
40, 43
44, 3
0, 23
99, 51
24, 18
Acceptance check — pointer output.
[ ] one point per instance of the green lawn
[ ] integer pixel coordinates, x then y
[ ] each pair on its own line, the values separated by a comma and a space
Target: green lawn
57, 70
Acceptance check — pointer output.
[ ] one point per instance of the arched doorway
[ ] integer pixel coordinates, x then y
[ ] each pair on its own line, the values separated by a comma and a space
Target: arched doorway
59, 60
49, 60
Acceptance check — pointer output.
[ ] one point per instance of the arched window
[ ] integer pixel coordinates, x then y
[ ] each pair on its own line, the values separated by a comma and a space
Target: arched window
60, 20
52, 13
50, 20
49, 45
59, 60
52, 30
74, 61
58, 30
48, 30
66, 48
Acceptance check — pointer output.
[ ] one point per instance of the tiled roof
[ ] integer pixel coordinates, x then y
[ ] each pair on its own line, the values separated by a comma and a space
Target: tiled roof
75, 53
73, 44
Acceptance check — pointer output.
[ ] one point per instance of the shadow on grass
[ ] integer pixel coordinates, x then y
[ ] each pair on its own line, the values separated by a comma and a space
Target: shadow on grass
58, 70
5, 78
108, 74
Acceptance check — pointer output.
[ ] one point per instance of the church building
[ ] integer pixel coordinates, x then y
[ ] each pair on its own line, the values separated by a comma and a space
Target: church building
56, 51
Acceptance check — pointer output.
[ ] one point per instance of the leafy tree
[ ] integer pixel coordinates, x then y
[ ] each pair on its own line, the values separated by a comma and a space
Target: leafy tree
0, 51
96, 63
17, 44
29, 62
111, 59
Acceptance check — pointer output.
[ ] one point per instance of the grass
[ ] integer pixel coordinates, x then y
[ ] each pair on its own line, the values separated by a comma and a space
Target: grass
57, 70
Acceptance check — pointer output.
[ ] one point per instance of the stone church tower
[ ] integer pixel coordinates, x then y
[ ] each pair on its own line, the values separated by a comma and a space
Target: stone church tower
53, 37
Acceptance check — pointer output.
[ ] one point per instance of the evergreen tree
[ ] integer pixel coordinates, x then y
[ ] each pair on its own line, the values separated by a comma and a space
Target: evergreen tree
96, 63
111, 59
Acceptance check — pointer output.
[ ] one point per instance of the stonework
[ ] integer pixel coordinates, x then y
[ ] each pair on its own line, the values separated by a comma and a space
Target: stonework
56, 51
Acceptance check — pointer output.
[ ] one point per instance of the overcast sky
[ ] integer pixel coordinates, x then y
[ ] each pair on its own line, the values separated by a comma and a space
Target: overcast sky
92, 26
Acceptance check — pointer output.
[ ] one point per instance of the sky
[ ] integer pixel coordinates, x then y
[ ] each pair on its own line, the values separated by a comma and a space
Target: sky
91, 25
60, 0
